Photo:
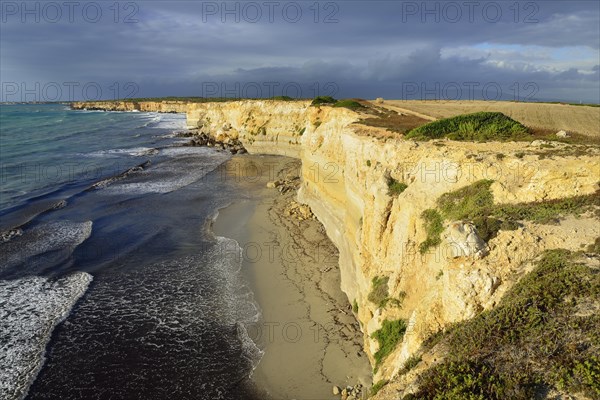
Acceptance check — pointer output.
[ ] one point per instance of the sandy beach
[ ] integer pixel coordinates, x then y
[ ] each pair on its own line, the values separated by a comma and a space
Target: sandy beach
309, 335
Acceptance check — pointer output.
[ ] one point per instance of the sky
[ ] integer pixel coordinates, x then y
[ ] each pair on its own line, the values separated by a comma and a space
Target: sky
438, 50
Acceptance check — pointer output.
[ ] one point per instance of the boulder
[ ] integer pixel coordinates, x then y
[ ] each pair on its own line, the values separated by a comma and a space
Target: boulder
336, 390
379, 100
464, 240
563, 134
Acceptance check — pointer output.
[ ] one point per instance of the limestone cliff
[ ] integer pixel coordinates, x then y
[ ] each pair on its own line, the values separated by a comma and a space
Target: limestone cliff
345, 174
146, 106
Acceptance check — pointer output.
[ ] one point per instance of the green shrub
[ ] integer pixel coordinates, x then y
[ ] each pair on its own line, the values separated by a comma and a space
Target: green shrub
488, 227
282, 98
368, 163
461, 381
323, 100
351, 104
586, 373
355, 306
379, 291
395, 187
467, 203
390, 334
473, 203
377, 387
481, 126
434, 226
410, 363
546, 211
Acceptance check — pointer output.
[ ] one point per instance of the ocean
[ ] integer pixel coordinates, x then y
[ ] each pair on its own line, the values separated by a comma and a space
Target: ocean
112, 285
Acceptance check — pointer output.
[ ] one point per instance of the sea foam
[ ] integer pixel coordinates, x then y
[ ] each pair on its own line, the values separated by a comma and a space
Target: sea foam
62, 235
184, 166
30, 309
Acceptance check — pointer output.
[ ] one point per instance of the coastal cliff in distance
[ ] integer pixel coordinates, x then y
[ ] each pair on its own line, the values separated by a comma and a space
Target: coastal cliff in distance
392, 207
132, 106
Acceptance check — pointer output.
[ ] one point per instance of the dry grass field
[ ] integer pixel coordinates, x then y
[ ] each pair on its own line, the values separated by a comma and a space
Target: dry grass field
584, 120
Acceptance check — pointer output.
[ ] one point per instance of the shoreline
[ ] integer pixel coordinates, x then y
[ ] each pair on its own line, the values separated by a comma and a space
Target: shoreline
310, 337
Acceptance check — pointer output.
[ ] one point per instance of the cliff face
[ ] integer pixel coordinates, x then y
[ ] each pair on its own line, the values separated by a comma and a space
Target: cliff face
146, 106
345, 173
268, 127
378, 234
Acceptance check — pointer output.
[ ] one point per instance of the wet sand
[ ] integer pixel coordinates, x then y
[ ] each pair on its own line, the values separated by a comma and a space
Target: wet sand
310, 338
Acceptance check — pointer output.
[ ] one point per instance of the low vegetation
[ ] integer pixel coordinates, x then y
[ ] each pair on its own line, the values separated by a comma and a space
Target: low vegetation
351, 104
481, 126
409, 364
551, 210
395, 188
573, 138
379, 294
434, 226
392, 121
544, 334
323, 100
390, 334
282, 98
476, 203
377, 386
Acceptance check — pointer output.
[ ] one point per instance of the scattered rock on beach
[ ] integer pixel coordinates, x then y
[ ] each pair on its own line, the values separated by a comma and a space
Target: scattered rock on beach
349, 392
199, 138
291, 182
300, 211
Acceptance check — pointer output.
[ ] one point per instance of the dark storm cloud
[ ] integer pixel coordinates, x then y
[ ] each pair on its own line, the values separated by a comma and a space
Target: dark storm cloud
375, 48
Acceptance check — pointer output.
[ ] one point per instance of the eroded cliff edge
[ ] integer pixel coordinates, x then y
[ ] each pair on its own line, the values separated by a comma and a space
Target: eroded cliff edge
346, 175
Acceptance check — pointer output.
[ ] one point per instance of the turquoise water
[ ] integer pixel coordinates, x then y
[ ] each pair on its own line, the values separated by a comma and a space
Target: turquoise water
111, 283
44, 147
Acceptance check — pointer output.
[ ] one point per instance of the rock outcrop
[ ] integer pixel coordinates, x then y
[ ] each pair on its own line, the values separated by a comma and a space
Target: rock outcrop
465, 241
132, 106
345, 175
